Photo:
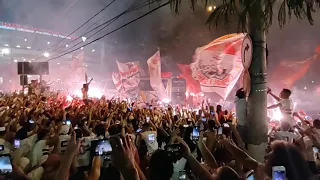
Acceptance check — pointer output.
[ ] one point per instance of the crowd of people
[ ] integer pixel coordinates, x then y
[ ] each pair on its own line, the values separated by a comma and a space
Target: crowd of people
57, 137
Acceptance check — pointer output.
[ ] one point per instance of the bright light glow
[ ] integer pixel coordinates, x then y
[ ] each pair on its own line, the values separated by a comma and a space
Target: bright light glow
187, 94
93, 92
69, 98
305, 87
67, 45
210, 8
28, 47
86, 65
7, 45
166, 100
29, 61
46, 54
58, 79
83, 39
81, 48
48, 42
312, 81
93, 50
24, 59
25, 39
276, 115
18, 46
5, 51
58, 63
15, 60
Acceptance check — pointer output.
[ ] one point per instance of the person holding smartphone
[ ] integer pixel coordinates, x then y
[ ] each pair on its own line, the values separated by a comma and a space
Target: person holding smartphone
64, 137
149, 137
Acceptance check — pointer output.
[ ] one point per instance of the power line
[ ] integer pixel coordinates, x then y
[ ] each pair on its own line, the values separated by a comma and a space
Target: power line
124, 25
81, 25
105, 24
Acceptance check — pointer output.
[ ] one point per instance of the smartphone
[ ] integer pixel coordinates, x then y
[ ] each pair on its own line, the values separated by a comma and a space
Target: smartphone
31, 121
1, 148
172, 148
17, 143
278, 173
68, 122
151, 138
249, 175
148, 118
5, 164
308, 118
103, 147
139, 129
204, 119
195, 133
226, 125
130, 108
185, 125
220, 129
212, 112
315, 150
150, 107
76, 127
182, 175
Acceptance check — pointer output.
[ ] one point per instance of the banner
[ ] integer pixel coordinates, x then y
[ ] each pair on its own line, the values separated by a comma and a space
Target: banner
117, 81
129, 69
218, 65
130, 78
288, 72
154, 64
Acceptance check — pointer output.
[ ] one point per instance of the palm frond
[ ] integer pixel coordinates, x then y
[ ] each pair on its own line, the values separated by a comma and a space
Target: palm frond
299, 8
225, 12
241, 9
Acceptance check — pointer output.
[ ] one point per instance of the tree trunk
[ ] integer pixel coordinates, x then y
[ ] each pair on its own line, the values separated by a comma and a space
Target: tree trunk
258, 96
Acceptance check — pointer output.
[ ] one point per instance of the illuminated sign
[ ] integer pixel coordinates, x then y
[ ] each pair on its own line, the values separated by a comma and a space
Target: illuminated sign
28, 29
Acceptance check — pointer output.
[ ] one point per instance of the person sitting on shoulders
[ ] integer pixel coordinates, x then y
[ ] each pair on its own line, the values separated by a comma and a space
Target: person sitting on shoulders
285, 104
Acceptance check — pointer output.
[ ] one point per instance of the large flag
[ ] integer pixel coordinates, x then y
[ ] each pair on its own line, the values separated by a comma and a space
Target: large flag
128, 69
287, 73
130, 78
154, 64
218, 65
117, 81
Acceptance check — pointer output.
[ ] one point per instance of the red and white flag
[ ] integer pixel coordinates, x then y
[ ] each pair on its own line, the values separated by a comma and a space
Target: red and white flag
154, 64
129, 69
129, 76
288, 72
117, 81
218, 66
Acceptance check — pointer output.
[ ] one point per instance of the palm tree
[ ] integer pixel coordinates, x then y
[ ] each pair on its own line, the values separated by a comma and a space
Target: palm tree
255, 17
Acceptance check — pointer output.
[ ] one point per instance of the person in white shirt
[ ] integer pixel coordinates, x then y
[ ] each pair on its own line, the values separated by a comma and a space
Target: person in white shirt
64, 137
149, 137
241, 114
83, 157
285, 104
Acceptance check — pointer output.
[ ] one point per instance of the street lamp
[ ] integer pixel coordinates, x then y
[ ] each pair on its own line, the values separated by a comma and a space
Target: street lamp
211, 8
46, 54
5, 51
